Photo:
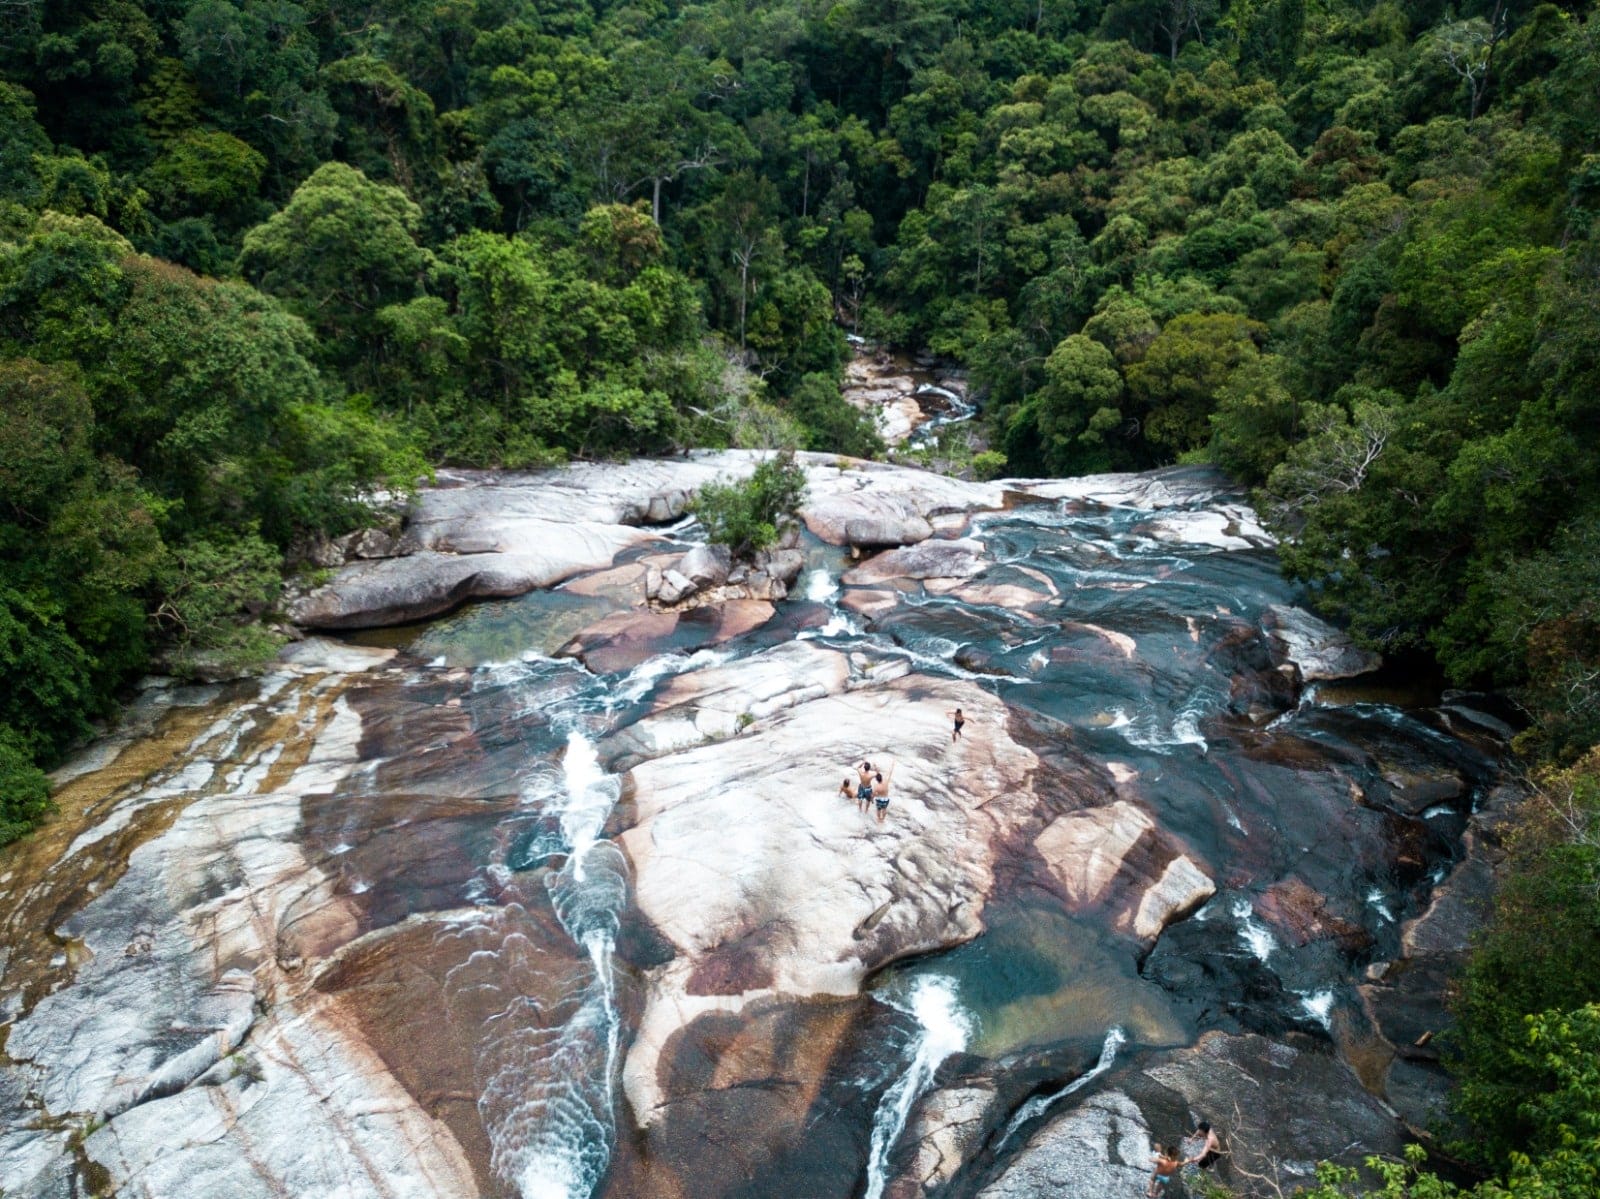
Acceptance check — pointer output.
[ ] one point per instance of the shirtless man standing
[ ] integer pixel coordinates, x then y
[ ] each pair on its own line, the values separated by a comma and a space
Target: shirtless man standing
864, 789
880, 795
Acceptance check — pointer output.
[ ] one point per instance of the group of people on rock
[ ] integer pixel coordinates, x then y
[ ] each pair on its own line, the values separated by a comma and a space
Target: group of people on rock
872, 786
1207, 1149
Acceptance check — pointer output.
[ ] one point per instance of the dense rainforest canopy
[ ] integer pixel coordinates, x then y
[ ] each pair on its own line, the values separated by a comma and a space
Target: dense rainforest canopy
259, 258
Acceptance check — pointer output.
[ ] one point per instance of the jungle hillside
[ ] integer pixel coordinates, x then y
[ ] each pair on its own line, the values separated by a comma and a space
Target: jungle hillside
262, 261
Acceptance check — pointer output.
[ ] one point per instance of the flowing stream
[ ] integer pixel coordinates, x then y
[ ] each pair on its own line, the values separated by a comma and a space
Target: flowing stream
1039, 1104
554, 1139
444, 834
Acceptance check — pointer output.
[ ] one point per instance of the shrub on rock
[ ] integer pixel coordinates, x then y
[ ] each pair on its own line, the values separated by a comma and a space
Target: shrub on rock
748, 515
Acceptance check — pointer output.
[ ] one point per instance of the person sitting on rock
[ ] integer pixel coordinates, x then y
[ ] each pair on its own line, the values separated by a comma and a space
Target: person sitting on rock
1168, 1163
880, 794
846, 791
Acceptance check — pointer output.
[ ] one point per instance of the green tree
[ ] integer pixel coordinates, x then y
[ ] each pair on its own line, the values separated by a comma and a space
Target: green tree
1256, 420
830, 422
748, 515
341, 250
24, 790
1177, 382
1077, 412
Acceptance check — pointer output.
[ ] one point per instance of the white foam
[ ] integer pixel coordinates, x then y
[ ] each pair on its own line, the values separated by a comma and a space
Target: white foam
1257, 939
1376, 901
648, 673
1319, 1006
549, 1107
945, 1029
820, 586
591, 794
546, 1178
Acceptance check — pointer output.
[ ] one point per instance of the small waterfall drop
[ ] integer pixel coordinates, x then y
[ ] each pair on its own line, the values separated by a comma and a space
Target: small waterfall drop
590, 798
1115, 1039
1257, 938
821, 587
945, 1028
552, 1122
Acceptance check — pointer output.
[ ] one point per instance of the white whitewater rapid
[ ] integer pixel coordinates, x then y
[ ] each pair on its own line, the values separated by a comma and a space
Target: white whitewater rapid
945, 1027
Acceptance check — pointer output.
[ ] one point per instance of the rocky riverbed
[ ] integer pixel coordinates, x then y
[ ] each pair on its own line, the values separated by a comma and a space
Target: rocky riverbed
908, 398
526, 873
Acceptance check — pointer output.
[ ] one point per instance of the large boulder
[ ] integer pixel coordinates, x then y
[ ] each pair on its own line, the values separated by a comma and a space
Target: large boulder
958, 558
675, 586
1102, 1147
886, 532
1113, 857
1153, 490
784, 565
946, 1131
480, 534
887, 394
764, 881
706, 565
886, 496
1279, 1105
1224, 527
390, 591
1315, 648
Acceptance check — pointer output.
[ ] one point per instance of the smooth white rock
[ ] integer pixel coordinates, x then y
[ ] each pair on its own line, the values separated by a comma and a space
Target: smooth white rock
1181, 889
1317, 649
1085, 850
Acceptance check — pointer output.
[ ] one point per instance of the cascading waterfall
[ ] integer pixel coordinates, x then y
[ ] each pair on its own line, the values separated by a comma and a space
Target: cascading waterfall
1115, 1039
944, 1029
551, 1119
822, 588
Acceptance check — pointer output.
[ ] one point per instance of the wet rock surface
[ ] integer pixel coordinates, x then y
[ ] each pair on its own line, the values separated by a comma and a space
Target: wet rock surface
1315, 648
481, 535
902, 395
561, 891
1279, 1106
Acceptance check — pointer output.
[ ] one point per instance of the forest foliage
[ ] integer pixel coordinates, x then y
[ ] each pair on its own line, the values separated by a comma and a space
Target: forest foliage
260, 258
1342, 249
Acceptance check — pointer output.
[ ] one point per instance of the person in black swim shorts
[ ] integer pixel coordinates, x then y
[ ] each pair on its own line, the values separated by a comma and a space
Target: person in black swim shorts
864, 789
1210, 1148
959, 721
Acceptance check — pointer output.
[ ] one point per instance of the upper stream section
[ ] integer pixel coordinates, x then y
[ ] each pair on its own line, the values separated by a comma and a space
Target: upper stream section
556, 894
